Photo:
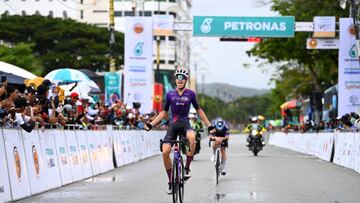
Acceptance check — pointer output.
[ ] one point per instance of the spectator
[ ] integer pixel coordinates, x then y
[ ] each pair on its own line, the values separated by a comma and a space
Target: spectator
25, 122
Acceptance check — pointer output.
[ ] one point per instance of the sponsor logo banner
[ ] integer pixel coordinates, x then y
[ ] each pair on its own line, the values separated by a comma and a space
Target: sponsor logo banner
349, 69
138, 71
324, 26
313, 43
221, 26
163, 25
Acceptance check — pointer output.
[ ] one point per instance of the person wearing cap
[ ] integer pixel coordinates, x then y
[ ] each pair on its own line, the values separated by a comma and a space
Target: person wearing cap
25, 122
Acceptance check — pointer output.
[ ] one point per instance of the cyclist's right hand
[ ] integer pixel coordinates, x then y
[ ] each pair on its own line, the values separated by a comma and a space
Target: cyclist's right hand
147, 126
211, 129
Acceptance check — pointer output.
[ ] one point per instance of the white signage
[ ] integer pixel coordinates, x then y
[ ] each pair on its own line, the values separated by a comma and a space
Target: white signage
324, 26
312, 43
138, 71
163, 25
304, 26
349, 69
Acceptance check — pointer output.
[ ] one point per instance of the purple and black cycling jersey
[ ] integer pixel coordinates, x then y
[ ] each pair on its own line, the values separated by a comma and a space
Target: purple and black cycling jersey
180, 105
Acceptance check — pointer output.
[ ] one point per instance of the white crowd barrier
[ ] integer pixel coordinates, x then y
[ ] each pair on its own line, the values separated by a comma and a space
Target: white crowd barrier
343, 148
31, 163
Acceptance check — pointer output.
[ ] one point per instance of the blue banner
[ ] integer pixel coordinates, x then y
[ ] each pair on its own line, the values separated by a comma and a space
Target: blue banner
112, 87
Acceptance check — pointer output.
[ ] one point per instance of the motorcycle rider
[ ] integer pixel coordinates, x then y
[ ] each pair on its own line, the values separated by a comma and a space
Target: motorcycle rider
222, 137
255, 123
198, 127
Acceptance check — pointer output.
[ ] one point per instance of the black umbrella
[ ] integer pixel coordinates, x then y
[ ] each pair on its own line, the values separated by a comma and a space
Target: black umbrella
12, 79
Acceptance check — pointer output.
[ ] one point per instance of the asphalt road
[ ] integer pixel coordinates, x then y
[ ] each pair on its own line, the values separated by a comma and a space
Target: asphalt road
276, 175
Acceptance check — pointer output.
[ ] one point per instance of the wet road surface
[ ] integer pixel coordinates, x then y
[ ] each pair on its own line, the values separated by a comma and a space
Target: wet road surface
276, 175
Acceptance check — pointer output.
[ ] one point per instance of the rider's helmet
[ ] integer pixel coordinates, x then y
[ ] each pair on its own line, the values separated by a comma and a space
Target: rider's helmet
219, 123
183, 72
192, 113
254, 119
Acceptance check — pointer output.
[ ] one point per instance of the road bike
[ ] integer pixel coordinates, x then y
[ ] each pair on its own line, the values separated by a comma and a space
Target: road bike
178, 170
217, 160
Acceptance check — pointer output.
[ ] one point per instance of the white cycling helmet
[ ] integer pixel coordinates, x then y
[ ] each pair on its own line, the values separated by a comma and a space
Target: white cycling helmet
182, 71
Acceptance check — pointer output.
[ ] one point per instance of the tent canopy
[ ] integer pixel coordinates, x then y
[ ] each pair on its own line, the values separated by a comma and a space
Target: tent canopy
9, 68
291, 104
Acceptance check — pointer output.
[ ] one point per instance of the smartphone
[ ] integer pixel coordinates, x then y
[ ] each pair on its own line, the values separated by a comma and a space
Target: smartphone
3, 79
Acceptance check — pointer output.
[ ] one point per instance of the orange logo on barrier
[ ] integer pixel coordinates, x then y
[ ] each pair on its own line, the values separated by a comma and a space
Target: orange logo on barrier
36, 160
17, 162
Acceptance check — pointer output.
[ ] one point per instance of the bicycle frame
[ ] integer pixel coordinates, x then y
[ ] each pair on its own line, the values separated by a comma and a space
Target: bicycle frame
178, 171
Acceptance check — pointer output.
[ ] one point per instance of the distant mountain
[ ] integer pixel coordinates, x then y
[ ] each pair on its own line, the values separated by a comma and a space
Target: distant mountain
227, 92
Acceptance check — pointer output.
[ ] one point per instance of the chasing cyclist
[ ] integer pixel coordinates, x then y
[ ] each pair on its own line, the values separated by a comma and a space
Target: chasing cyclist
179, 100
222, 137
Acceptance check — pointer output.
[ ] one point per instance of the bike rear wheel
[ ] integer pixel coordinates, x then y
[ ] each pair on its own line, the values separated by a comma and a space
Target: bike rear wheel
175, 181
217, 166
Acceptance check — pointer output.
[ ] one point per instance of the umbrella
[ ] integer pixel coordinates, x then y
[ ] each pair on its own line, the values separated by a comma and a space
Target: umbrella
81, 88
9, 68
13, 79
67, 76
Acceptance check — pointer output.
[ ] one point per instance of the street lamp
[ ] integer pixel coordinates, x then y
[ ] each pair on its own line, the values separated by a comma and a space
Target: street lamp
157, 78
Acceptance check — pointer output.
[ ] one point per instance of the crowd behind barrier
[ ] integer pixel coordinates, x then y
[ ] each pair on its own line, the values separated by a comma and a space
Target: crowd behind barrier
31, 163
341, 148
44, 102
349, 121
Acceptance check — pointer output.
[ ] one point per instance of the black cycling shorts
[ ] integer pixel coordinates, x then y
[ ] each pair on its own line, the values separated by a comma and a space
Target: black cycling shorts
175, 129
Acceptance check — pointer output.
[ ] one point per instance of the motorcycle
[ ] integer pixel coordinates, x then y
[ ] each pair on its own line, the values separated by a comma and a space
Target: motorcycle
255, 140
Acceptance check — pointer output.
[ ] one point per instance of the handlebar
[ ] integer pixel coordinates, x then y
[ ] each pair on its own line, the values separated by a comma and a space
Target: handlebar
211, 140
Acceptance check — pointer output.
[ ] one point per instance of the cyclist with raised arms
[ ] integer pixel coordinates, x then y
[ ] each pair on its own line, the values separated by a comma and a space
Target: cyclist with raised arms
222, 137
179, 100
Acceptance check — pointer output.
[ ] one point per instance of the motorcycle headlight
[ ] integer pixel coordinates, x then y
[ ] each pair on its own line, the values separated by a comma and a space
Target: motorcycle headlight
254, 133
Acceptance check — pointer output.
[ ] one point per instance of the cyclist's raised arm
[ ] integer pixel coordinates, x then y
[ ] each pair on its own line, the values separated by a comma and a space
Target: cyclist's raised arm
203, 117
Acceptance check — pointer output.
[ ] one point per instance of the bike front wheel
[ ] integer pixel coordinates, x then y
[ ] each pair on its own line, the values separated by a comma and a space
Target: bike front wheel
217, 166
181, 180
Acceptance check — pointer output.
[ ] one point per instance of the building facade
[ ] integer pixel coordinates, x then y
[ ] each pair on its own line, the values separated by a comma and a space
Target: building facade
174, 50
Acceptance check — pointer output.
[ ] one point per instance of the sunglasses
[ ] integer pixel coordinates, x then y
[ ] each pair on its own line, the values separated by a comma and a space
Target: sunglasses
180, 77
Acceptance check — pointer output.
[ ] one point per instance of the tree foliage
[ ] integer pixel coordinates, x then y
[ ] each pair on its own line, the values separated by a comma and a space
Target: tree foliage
62, 43
300, 71
21, 55
237, 111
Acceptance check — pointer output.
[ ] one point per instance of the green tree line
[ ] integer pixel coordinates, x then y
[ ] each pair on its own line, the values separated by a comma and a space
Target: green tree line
237, 111
41, 44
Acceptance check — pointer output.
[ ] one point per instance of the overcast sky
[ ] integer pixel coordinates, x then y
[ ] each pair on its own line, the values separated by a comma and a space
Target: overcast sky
225, 59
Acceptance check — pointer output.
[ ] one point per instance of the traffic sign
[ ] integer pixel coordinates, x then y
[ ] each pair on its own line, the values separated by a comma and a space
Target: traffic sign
220, 26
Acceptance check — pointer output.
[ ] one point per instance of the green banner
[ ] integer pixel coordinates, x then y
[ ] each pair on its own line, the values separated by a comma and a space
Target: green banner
112, 87
220, 26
